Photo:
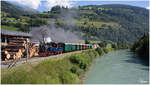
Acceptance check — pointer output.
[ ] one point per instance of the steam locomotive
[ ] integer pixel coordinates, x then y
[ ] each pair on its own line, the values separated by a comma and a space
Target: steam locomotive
53, 48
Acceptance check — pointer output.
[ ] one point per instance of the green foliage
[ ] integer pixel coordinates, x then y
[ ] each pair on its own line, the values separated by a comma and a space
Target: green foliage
15, 10
105, 50
141, 47
100, 51
56, 9
79, 60
67, 70
103, 44
121, 45
117, 23
9, 28
114, 45
87, 41
37, 22
83, 61
68, 78
76, 70
128, 23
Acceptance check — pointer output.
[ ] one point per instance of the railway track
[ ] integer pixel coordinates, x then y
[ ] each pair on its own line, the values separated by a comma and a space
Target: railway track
12, 63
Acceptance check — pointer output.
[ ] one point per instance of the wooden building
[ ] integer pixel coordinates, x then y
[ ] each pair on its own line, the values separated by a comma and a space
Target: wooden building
13, 44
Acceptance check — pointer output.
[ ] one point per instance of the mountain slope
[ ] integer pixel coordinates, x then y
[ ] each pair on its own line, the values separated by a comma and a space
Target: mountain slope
12, 9
119, 23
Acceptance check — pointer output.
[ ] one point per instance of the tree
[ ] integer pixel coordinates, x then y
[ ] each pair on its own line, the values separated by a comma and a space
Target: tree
56, 9
87, 41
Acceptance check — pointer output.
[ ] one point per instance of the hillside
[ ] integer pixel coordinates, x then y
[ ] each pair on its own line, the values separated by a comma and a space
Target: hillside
19, 19
12, 9
118, 23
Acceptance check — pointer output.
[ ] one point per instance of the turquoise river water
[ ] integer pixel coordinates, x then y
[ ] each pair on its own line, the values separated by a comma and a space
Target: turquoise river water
118, 67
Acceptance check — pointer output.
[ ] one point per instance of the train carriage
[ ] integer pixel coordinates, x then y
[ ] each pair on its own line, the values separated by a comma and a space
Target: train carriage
73, 47
83, 47
59, 48
67, 47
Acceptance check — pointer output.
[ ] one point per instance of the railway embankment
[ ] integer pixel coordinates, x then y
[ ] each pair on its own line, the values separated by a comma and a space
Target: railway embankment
66, 69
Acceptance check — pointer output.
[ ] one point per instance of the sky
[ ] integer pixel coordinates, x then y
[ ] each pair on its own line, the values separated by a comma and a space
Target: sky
45, 5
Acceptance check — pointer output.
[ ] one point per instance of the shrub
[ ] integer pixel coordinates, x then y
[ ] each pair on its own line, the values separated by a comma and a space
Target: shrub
50, 71
81, 60
68, 77
76, 70
114, 45
75, 59
105, 50
100, 51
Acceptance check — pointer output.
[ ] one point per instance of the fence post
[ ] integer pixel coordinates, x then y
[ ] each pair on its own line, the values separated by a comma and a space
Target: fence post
27, 52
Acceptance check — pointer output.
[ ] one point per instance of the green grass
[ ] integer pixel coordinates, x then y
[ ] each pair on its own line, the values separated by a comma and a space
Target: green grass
51, 71
11, 19
64, 69
96, 24
88, 12
9, 28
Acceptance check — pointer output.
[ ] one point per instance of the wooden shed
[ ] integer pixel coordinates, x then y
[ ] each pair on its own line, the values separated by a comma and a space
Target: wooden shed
13, 44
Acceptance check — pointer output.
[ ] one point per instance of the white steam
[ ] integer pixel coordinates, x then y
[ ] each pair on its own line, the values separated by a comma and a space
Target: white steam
51, 33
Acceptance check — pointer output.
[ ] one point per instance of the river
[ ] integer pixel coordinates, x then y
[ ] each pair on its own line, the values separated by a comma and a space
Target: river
118, 67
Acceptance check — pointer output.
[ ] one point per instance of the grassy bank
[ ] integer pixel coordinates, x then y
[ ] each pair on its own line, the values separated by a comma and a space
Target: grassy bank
66, 70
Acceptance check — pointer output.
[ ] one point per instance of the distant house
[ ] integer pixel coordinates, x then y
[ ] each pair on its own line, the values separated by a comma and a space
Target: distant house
11, 20
80, 42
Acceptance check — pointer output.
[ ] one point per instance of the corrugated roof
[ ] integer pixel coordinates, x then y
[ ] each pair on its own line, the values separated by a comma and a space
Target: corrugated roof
15, 33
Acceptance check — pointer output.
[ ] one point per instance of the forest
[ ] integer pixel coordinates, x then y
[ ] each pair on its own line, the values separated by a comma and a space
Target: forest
141, 47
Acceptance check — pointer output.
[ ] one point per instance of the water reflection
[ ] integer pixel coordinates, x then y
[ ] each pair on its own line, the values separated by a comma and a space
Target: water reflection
133, 58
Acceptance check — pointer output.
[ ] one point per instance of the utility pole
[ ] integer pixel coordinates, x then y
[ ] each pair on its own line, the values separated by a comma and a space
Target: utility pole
27, 51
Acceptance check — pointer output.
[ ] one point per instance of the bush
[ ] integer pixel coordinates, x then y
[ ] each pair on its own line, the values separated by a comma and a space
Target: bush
105, 50
84, 59
51, 71
79, 60
114, 45
76, 70
68, 78
100, 51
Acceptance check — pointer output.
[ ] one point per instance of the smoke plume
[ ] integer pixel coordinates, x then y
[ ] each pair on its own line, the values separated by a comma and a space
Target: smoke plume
56, 34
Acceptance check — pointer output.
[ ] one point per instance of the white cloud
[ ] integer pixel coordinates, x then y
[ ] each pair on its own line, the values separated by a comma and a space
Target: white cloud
148, 7
30, 3
49, 3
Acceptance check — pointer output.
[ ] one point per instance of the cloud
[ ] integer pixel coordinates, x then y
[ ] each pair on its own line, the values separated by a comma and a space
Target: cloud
148, 7
52, 3
30, 3
48, 3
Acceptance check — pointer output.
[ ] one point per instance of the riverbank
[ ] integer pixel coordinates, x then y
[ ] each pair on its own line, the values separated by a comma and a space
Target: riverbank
118, 67
62, 70
68, 69
101, 52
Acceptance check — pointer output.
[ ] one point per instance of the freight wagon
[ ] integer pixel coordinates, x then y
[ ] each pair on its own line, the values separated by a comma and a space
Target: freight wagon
59, 48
